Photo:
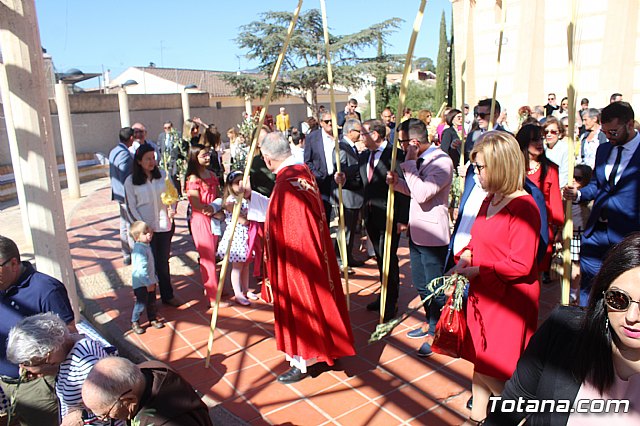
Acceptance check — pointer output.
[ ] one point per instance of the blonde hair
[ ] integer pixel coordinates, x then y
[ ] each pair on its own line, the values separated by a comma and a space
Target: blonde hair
423, 114
137, 228
504, 173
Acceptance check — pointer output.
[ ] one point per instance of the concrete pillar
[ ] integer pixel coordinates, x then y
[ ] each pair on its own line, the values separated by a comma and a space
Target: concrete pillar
186, 108
35, 154
372, 101
310, 111
247, 105
123, 102
13, 142
68, 143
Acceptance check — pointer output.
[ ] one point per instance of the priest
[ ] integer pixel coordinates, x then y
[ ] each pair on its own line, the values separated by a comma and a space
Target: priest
311, 318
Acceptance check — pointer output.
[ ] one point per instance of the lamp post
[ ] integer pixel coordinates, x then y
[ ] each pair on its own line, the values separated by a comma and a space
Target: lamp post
66, 130
123, 102
184, 96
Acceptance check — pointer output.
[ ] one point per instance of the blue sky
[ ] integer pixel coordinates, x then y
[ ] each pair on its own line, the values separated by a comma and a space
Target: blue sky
95, 36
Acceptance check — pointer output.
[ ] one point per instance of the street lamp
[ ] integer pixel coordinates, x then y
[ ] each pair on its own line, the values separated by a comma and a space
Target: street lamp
184, 96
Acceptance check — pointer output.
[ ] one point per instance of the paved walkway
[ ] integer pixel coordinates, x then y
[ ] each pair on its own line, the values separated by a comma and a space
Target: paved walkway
384, 384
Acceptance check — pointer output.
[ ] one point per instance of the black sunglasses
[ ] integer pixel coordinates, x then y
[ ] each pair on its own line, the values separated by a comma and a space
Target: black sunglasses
618, 300
482, 114
326, 121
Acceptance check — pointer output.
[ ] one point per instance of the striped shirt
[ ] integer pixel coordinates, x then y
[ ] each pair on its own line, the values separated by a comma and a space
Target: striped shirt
73, 372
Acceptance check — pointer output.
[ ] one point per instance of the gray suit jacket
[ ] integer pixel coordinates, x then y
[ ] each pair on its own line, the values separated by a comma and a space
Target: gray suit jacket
352, 192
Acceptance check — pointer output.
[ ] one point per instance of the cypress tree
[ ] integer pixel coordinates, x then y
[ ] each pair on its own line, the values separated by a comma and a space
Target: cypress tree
442, 65
451, 91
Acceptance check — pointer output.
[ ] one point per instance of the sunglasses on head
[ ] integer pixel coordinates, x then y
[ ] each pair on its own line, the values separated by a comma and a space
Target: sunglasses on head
618, 300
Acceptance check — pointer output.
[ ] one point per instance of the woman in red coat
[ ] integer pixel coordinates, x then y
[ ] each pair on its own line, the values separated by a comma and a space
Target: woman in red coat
544, 174
500, 263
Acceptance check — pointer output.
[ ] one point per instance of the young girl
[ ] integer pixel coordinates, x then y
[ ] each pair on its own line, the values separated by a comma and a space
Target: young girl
581, 177
143, 277
241, 254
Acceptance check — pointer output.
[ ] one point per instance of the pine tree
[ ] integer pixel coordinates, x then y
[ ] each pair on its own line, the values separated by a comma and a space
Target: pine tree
442, 65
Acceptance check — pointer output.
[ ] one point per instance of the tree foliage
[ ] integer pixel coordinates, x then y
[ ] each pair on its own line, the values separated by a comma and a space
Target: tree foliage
442, 65
304, 67
420, 95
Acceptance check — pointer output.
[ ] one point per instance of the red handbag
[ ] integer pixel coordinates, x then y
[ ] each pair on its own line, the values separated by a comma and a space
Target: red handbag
450, 330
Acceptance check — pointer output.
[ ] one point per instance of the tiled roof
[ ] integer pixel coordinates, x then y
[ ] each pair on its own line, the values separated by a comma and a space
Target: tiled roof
208, 81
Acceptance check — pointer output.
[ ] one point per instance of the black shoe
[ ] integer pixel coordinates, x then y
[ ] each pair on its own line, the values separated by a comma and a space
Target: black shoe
292, 376
356, 263
374, 306
172, 302
470, 403
546, 278
390, 314
126, 260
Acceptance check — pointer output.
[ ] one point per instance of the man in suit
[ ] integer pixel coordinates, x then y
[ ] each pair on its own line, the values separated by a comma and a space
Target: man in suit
120, 167
349, 109
319, 156
483, 114
352, 195
615, 189
140, 137
374, 164
428, 172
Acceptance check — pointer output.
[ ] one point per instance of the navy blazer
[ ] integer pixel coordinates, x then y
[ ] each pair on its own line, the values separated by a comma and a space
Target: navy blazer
315, 159
120, 167
533, 190
352, 195
621, 202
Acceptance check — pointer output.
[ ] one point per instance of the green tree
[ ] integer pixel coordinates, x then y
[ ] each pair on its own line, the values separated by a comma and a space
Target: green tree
304, 68
451, 86
424, 64
442, 65
420, 95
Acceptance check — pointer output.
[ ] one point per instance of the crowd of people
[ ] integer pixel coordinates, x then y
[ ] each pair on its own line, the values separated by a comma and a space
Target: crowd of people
500, 234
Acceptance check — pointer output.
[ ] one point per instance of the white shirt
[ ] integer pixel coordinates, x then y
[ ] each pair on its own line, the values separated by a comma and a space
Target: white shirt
329, 151
559, 154
377, 153
144, 202
629, 149
471, 208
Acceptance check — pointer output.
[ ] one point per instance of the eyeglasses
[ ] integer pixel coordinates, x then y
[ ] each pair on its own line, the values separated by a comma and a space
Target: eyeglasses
478, 167
105, 416
167, 127
618, 300
613, 133
551, 99
327, 121
5, 262
553, 132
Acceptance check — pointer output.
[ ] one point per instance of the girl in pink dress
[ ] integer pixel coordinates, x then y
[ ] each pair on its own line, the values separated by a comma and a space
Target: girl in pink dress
202, 189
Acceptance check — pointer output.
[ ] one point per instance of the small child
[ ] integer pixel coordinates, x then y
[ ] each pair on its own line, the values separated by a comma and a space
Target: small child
241, 254
580, 212
143, 277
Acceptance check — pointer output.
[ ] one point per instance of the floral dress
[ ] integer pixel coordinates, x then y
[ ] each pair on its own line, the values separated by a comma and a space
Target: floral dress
240, 244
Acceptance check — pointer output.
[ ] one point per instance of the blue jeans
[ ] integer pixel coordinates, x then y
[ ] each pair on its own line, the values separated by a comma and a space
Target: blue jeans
426, 264
145, 299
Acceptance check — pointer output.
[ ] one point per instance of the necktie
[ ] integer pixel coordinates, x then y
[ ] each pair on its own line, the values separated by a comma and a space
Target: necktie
419, 162
372, 158
614, 171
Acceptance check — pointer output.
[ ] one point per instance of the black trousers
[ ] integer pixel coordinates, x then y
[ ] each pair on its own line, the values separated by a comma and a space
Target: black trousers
161, 248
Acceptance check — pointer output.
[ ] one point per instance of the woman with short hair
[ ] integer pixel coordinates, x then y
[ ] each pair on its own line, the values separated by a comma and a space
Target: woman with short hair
43, 346
500, 263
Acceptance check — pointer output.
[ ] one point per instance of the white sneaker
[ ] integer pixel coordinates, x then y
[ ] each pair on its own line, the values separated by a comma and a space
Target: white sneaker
252, 296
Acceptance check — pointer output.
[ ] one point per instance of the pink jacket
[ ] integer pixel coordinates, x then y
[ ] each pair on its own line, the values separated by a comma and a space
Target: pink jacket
429, 191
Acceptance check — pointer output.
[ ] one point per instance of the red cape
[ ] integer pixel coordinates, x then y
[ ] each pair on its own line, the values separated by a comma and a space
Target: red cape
311, 317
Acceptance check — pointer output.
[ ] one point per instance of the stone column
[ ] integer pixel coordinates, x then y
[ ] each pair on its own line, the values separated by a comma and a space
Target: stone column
68, 143
123, 102
35, 154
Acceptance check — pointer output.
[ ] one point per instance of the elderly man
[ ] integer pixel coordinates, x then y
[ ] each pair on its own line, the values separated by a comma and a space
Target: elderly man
592, 138
311, 318
428, 172
25, 292
150, 393
140, 137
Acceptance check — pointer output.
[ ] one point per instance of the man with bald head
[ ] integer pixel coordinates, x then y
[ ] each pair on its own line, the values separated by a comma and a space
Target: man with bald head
150, 393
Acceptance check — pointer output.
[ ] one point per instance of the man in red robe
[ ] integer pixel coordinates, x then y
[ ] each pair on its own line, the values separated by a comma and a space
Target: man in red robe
311, 318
